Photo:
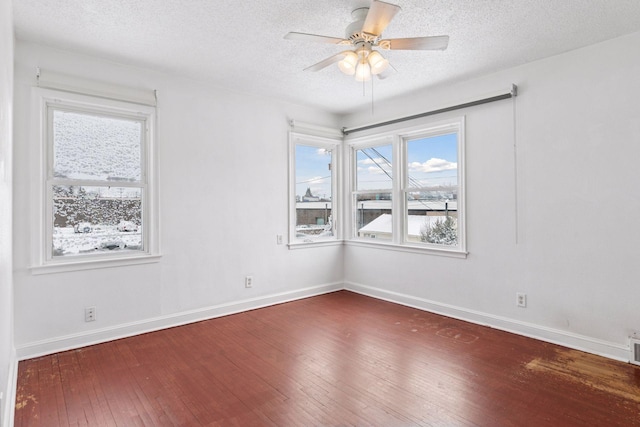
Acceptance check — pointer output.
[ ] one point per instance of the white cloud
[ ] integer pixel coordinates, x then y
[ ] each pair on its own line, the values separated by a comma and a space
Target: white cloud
375, 170
376, 166
320, 191
376, 161
316, 180
433, 165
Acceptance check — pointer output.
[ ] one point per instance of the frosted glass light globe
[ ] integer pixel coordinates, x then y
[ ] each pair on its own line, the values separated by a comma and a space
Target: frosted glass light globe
348, 64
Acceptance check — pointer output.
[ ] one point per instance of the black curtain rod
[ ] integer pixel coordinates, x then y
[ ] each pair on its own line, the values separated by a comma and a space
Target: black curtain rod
512, 93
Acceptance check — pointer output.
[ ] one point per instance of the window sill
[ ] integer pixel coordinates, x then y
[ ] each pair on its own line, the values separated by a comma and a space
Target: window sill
307, 245
91, 264
408, 248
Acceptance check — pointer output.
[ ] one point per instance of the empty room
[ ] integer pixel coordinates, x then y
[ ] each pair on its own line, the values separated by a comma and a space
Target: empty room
301, 213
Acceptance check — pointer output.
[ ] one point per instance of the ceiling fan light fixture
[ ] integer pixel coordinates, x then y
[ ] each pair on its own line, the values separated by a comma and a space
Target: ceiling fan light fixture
377, 62
363, 71
349, 63
365, 34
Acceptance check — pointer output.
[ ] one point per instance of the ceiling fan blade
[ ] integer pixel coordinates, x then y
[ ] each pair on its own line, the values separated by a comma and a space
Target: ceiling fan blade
326, 62
416, 43
313, 38
378, 17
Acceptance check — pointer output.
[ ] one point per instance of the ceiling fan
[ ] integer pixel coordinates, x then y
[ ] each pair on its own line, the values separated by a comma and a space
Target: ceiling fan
363, 35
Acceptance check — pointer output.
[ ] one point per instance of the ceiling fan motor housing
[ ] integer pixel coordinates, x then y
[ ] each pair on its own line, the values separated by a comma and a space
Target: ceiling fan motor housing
354, 30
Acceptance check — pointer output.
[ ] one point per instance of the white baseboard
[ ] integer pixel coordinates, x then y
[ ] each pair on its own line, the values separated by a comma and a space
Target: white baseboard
7, 411
69, 342
555, 336
579, 342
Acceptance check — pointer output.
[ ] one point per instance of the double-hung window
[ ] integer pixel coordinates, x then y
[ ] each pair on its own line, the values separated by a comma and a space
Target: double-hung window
372, 197
96, 198
407, 188
313, 188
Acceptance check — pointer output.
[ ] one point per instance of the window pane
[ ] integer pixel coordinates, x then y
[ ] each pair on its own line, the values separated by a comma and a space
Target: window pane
96, 147
431, 221
373, 215
313, 193
433, 164
96, 219
374, 171
432, 177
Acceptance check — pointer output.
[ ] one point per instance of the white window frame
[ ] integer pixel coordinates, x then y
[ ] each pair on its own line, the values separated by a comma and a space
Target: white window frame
44, 102
399, 136
328, 142
371, 142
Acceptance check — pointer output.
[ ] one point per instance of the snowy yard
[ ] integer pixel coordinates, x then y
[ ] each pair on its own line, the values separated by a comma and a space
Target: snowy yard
101, 238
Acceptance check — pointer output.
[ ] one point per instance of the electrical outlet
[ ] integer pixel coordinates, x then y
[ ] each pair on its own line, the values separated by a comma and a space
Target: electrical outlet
248, 282
521, 299
90, 314
279, 239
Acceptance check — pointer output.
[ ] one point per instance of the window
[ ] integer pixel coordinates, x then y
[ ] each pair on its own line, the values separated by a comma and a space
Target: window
313, 188
408, 191
97, 198
431, 189
373, 192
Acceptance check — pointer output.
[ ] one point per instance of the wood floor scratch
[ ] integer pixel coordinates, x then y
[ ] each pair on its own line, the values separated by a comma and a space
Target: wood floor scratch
593, 371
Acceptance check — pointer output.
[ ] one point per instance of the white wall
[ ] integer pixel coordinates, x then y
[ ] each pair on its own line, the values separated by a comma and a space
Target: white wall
223, 198
7, 351
577, 122
564, 231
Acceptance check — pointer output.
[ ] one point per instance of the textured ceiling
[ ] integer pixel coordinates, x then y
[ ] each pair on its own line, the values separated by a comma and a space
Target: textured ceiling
239, 45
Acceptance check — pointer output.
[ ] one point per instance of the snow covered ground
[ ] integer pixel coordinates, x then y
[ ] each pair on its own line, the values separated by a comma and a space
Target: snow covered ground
101, 238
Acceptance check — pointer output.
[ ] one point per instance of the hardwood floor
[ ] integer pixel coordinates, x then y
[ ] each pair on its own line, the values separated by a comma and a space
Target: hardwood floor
336, 359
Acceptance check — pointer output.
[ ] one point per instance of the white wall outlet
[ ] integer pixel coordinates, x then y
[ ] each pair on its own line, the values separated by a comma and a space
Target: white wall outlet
248, 282
279, 239
521, 299
90, 314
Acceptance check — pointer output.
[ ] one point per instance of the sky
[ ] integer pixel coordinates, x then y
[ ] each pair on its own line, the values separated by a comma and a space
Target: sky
312, 171
432, 161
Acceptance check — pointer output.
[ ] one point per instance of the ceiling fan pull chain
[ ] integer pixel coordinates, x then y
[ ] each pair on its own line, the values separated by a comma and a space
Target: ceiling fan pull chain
364, 85
372, 97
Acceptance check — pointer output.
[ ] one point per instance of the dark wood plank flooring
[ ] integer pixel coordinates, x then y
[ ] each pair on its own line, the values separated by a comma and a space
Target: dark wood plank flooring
336, 359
